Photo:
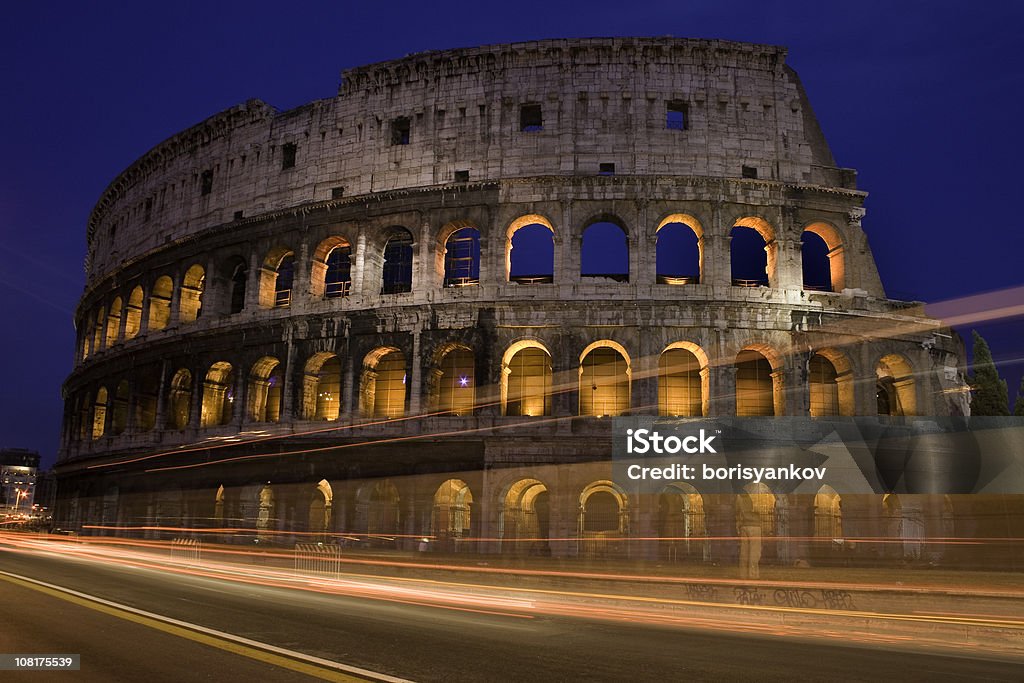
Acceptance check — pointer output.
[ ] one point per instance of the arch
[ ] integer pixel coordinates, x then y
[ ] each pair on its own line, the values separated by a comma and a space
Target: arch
451, 514
748, 258
823, 257
526, 379
321, 387
277, 275
87, 335
462, 258
398, 262
113, 333
119, 418
525, 516
320, 508
681, 520
758, 384
683, 380
604, 381
830, 378
218, 395
192, 285
454, 381
384, 386
604, 251
679, 250
331, 270
377, 508
896, 390
160, 303
85, 418
180, 399
99, 414
145, 394
98, 328
266, 389
133, 313
828, 515
238, 283
530, 250
763, 502
603, 516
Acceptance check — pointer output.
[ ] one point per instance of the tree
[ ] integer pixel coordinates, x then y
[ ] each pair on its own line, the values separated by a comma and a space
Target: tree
990, 393
1018, 405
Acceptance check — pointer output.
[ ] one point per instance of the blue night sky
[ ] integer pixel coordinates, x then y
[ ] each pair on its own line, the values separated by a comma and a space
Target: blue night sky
923, 98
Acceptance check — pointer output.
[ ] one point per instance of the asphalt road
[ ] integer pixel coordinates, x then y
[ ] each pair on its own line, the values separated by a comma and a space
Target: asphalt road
419, 643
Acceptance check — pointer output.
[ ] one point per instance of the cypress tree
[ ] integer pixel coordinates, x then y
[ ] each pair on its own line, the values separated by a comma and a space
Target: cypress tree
990, 394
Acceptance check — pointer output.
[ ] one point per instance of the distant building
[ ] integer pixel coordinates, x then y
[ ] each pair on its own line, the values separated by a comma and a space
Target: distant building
46, 492
18, 478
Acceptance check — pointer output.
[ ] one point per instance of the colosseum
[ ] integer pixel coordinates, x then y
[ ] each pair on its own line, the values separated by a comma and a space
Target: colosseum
405, 312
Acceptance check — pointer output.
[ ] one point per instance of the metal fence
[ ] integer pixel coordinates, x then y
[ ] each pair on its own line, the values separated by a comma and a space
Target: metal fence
186, 550
318, 558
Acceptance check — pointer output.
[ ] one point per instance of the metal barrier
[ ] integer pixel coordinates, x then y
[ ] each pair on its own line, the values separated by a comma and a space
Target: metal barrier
186, 550
318, 558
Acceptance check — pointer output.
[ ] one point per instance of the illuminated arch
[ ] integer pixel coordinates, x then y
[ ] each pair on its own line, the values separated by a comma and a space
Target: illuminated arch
218, 395
525, 517
384, 388
604, 235
180, 399
526, 376
133, 313
674, 231
113, 333
321, 387
452, 381
514, 271
266, 390
682, 522
759, 382
99, 414
744, 261
331, 270
160, 303
451, 514
683, 380
830, 377
604, 379
828, 515
835, 262
896, 389
397, 269
604, 510
192, 286
277, 277
119, 417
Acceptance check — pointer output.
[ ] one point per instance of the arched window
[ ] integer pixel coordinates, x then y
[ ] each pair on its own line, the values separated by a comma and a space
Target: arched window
603, 512
133, 313
398, 263
681, 380
384, 384
604, 381
530, 251
239, 277
283, 282
822, 376
99, 414
265, 390
824, 267
160, 303
322, 387
119, 419
763, 502
145, 394
462, 258
451, 513
527, 376
749, 257
331, 275
679, 252
87, 334
755, 394
114, 322
192, 293
98, 328
605, 252
276, 277
456, 385
218, 395
681, 522
828, 516
525, 515
180, 400
895, 390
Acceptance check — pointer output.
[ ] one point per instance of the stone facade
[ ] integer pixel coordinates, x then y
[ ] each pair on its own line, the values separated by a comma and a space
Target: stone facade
187, 248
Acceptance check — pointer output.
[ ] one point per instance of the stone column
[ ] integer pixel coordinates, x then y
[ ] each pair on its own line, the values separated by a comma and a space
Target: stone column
301, 293
722, 390
175, 314
415, 400
252, 285
788, 266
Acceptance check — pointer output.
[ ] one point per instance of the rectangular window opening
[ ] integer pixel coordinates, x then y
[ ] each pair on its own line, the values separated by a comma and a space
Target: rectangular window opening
606, 169
749, 172
462, 176
206, 183
400, 128
288, 156
531, 119
677, 115
337, 192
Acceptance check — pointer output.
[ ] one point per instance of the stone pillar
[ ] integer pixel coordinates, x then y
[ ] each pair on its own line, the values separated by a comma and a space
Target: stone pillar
358, 258
288, 382
252, 285
785, 256
716, 263
348, 398
722, 390
779, 386
796, 385
301, 289
175, 315
567, 249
